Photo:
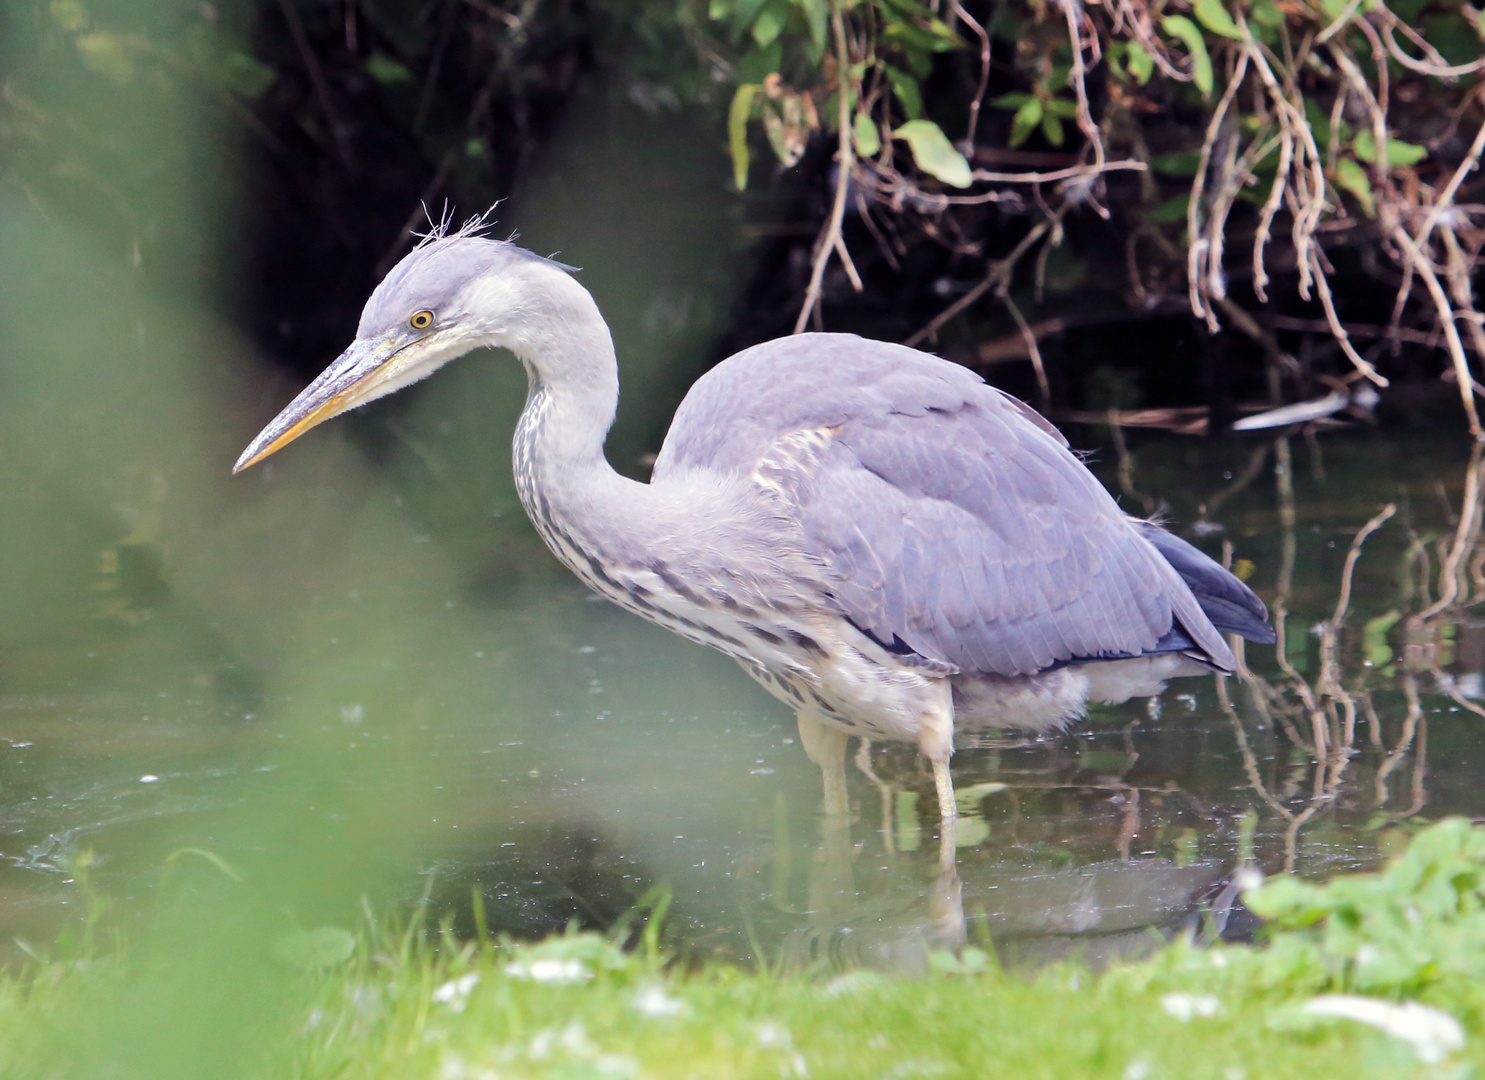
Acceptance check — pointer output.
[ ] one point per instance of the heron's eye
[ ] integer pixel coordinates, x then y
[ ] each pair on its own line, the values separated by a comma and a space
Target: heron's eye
421, 320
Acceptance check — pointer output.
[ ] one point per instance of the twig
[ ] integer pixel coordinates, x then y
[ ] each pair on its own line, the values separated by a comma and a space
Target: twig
1043, 388
999, 269
1424, 268
1199, 247
974, 106
1074, 172
830, 236
317, 82
1337, 331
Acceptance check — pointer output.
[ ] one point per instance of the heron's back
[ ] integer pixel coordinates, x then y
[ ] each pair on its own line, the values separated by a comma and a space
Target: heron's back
956, 524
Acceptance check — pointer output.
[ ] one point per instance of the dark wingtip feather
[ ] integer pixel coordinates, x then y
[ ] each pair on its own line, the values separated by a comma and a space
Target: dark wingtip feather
1232, 606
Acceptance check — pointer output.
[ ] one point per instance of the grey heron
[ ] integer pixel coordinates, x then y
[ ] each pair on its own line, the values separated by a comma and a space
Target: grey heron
890, 546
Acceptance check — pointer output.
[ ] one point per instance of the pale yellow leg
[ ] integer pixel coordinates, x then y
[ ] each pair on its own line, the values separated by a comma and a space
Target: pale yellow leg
826, 747
936, 743
832, 890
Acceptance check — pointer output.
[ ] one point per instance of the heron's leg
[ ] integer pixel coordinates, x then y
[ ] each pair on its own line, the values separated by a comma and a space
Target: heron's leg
863, 762
826, 747
936, 743
832, 889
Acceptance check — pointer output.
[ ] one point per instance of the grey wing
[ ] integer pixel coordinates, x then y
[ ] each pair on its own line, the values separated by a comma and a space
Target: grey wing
954, 520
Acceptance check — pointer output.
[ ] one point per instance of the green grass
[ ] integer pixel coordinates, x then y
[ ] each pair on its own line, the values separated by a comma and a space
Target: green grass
395, 1003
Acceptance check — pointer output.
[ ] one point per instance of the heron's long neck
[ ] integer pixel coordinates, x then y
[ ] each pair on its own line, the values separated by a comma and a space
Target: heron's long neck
570, 491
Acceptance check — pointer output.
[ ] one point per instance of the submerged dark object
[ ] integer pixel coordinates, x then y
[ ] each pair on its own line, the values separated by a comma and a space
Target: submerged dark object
887, 544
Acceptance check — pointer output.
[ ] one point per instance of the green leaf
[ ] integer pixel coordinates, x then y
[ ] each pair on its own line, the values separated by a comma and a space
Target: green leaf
1170, 211
1182, 28
1058, 107
743, 15
737, 131
387, 71
245, 76
1012, 101
1351, 177
816, 12
1399, 153
905, 87
1138, 63
768, 25
868, 138
933, 153
1177, 163
1052, 128
1027, 117
760, 62
1212, 15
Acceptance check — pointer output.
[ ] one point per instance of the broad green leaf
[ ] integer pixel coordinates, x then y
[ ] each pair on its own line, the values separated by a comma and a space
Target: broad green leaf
1011, 101
743, 15
1267, 13
1351, 177
1182, 28
1138, 63
737, 131
1212, 15
905, 87
760, 62
1399, 153
768, 25
1058, 107
1052, 128
816, 13
933, 153
1027, 117
868, 138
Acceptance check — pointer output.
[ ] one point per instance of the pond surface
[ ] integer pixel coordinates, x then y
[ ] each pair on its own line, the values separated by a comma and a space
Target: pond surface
342, 703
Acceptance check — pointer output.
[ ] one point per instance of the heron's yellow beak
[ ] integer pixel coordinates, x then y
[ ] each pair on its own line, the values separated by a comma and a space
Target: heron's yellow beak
358, 375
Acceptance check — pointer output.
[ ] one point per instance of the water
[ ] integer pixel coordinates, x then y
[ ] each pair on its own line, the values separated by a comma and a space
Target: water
317, 683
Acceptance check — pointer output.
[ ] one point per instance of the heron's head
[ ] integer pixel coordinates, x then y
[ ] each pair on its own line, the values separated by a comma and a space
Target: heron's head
450, 295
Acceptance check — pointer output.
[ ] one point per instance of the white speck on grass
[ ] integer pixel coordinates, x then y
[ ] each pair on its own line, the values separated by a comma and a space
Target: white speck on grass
1137, 1069
852, 982
455, 992
549, 970
1434, 1034
149, 778
1185, 1006
771, 1035
653, 1001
